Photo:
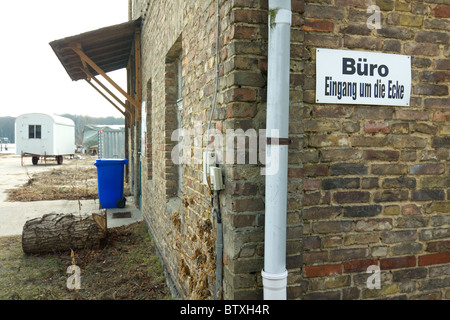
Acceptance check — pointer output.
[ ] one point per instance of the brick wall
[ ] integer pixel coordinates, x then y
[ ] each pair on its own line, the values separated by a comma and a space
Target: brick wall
375, 178
367, 185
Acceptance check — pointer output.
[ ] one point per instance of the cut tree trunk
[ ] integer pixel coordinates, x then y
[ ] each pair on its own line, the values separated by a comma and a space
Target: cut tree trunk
62, 232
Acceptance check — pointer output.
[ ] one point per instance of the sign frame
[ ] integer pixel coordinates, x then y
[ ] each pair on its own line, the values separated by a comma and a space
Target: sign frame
362, 77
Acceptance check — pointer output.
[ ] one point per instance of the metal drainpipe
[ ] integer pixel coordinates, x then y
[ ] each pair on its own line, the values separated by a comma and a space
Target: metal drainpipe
274, 274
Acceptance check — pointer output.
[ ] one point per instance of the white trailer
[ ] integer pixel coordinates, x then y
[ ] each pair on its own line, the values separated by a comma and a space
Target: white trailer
40, 135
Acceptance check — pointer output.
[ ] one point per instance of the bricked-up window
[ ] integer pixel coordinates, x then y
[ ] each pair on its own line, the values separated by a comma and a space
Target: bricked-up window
179, 109
34, 132
173, 119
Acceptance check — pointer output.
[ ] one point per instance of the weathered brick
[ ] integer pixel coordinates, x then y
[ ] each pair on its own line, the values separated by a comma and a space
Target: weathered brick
321, 213
404, 19
438, 246
323, 11
348, 169
362, 42
360, 239
241, 188
430, 89
352, 196
434, 258
443, 64
400, 182
436, 77
407, 248
414, 221
412, 142
411, 209
332, 226
410, 115
328, 140
426, 195
241, 205
317, 25
322, 295
327, 283
435, 233
433, 37
398, 262
441, 11
427, 169
362, 211
323, 270
389, 169
338, 183
347, 254
417, 48
399, 236
322, 40
358, 265
441, 142
396, 32
340, 154
382, 155
433, 284
424, 128
409, 274
374, 225
391, 195
311, 242
315, 170
313, 257
311, 184
240, 94
316, 198
374, 127
438, 206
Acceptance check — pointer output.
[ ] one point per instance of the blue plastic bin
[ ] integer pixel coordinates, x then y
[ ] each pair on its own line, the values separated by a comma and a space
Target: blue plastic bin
110, 176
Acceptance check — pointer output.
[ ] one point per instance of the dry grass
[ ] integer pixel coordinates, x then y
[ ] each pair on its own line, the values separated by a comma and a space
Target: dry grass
57, 184
74, 180
127, 268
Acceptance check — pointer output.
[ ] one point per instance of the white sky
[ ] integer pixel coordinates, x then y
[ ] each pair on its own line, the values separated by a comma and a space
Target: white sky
32, 79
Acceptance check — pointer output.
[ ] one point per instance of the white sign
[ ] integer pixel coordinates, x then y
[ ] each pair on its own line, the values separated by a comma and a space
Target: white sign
360, 77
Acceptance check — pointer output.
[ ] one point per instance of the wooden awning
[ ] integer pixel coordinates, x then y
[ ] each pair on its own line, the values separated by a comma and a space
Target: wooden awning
98, 52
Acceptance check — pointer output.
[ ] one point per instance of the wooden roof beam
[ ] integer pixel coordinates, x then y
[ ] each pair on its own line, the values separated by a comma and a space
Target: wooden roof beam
77, 49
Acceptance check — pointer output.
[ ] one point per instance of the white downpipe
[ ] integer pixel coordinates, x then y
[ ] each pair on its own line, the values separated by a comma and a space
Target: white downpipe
274, 273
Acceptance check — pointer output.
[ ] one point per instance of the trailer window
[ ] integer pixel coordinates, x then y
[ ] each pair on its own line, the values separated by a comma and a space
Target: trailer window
34, 132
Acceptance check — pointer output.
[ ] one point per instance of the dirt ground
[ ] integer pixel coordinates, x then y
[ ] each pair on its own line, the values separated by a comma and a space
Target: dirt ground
126, 268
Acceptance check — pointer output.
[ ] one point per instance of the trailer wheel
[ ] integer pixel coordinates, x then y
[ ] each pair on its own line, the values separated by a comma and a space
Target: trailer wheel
59, 159
35, 160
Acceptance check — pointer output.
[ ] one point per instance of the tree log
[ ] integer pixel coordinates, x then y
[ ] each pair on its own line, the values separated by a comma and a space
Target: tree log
62, 232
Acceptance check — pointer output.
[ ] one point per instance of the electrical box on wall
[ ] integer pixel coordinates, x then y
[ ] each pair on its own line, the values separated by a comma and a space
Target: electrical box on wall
209, 160
216, 178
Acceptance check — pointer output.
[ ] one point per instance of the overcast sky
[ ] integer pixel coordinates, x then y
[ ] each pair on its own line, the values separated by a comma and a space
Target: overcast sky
32, 77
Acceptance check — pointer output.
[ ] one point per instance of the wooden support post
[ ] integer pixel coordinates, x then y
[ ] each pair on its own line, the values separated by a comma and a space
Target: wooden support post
104, 96
137, 68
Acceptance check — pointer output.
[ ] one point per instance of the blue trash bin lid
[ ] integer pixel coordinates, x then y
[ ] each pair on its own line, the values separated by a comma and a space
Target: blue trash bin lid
107, 162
